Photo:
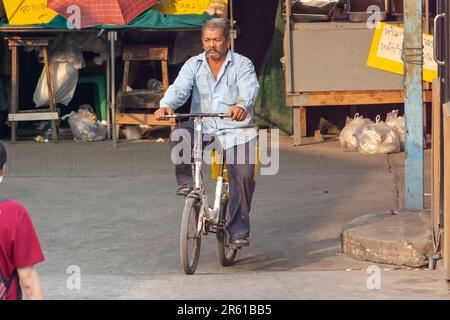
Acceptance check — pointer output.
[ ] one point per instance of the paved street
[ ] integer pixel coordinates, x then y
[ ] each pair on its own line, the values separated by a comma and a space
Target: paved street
113, 213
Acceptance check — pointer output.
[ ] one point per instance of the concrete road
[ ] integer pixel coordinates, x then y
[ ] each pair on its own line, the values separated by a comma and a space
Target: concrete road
112, 214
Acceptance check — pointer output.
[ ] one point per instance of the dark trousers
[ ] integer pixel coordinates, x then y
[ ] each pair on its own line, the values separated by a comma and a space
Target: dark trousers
240, 176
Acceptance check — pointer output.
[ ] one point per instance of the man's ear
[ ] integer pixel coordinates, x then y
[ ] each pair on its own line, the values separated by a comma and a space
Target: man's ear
2, 170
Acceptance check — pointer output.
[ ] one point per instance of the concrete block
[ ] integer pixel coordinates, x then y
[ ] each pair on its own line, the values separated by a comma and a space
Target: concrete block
403, 239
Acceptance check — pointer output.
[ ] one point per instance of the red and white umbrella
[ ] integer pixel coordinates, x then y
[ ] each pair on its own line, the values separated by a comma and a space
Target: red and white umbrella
97, 12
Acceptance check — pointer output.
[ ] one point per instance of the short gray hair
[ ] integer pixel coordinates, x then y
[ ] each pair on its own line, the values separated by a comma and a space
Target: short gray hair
218, 23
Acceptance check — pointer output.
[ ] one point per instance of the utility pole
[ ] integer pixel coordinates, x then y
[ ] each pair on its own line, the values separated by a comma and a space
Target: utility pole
413, 62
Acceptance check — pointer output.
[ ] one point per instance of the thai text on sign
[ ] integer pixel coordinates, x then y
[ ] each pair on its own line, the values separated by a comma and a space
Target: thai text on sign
386, 51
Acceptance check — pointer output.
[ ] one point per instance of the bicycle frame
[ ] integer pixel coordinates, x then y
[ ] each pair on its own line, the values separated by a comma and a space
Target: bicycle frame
207, 213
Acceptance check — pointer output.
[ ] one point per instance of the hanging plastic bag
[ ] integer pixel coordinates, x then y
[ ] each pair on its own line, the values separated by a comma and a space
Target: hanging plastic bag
346, 138
65, 79
84, 125
65, 60
398, 123
378, 138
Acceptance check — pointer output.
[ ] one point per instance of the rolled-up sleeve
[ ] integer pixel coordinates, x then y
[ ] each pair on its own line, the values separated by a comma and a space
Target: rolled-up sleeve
178, 93
248, 85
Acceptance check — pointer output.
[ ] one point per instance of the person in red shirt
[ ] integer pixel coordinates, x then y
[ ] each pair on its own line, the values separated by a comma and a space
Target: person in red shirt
20, 249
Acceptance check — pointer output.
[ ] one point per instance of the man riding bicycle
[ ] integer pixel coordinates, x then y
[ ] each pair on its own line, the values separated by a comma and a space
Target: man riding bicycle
221, 81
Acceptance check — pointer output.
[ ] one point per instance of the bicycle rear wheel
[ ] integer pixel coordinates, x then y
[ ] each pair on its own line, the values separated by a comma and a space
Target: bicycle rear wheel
224, 251
190, 238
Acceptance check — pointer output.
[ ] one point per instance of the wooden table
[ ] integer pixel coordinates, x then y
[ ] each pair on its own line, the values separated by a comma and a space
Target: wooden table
16, 115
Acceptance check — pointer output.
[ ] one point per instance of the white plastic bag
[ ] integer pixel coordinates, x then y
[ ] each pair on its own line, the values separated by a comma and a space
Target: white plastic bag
65, 79
398, 123
346, 138
65, 60
378, 138
84, 125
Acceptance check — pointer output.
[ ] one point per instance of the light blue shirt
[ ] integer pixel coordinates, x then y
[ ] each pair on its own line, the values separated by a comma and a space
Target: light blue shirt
236, 84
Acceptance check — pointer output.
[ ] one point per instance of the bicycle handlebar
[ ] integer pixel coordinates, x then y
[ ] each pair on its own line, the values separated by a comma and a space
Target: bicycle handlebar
196, 115
208, 115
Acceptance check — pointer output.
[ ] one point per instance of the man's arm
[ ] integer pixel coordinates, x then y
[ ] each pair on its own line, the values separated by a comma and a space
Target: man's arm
30, 282
247, 83
178, 93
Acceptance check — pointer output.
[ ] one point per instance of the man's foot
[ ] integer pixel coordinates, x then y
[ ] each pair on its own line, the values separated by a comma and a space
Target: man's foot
184, 190
241, 242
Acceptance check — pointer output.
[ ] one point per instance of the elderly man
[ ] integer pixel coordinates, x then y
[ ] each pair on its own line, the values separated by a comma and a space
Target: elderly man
20, 250
221, 81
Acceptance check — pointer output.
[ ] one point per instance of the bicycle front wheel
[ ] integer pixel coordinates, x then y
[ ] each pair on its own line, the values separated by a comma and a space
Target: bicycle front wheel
225, 253
190, 238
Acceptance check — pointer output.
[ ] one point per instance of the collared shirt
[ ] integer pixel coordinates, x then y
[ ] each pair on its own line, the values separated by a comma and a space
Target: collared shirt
236, 85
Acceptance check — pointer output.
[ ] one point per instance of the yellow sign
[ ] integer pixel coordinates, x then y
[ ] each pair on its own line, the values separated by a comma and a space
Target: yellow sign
386, 51
20, 12
187, 6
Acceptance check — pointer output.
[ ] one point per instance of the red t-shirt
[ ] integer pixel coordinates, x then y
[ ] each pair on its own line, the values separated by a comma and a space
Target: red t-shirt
19, 244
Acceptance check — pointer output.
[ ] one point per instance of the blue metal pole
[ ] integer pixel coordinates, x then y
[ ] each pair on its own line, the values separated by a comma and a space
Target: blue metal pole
413, 58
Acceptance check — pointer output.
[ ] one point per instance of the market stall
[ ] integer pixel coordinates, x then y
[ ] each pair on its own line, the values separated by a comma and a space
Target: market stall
326, 46
151, 24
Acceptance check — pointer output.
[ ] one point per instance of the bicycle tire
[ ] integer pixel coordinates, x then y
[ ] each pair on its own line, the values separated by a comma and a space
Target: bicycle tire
225, 254
190, 239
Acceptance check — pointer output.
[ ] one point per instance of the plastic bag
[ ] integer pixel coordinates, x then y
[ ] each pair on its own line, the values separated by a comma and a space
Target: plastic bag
398, 123
68, 54
378, 138
346, 138
84, 125
65, 60
65, 79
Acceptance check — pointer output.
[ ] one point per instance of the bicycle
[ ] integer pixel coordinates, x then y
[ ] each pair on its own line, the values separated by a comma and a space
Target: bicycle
198, 217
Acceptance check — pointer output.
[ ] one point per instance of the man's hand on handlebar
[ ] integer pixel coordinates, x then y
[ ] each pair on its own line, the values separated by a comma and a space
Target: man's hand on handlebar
162, 112
237, 113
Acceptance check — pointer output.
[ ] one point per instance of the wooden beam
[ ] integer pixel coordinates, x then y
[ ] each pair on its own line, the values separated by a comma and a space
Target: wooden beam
17, 42
51, 95
14, 90
436, 116
303, 122
345, 98
446, 242
38, 116
141, 119
297, 127
145, 53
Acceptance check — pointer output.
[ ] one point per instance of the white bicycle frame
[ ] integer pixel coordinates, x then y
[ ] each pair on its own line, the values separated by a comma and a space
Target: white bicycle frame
206, 212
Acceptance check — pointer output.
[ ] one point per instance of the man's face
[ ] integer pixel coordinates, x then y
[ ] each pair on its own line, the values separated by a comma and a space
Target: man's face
215, 44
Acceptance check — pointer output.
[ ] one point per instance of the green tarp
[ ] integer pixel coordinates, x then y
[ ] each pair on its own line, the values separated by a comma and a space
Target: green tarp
271, 109
150, 19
